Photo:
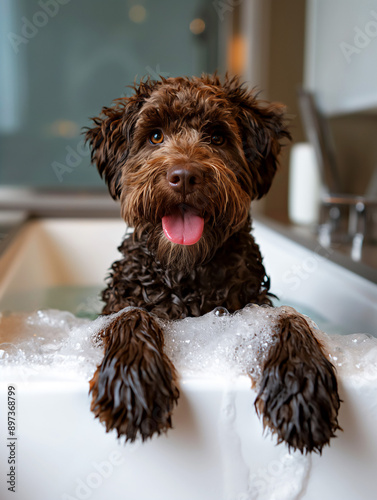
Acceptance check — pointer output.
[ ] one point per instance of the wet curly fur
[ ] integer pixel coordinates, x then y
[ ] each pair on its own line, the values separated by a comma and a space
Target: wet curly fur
226, 142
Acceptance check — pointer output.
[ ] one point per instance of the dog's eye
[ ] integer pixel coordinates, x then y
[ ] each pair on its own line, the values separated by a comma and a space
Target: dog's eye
217, 139
156, 137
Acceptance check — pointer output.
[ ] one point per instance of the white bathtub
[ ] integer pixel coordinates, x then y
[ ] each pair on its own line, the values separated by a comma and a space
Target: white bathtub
216, 449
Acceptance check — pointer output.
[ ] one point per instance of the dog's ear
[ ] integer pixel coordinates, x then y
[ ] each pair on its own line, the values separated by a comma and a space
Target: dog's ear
263, 127
110, 138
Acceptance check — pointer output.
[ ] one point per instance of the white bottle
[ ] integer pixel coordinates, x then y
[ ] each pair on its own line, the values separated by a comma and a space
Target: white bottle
304, 185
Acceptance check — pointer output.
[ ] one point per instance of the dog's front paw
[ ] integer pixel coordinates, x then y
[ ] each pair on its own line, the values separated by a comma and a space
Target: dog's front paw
134, 389
298, 397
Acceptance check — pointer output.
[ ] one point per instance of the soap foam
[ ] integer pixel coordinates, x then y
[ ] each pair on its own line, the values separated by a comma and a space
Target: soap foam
354, 356
48, 344
54, 343
222, 344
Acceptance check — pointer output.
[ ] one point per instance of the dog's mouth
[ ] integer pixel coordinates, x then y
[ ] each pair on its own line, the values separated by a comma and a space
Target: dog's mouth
183, 225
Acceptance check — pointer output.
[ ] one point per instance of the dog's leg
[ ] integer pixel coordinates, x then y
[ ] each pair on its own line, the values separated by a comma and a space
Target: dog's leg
298, 396
134, 388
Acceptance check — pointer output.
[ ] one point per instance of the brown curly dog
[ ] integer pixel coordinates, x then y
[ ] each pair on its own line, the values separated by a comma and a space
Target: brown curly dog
185, 157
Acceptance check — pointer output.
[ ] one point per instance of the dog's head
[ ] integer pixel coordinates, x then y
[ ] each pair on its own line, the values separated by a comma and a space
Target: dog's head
186, 156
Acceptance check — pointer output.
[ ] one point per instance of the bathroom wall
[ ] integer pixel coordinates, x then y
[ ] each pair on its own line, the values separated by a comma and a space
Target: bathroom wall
356, 145
353, 130
285, 73
340, 67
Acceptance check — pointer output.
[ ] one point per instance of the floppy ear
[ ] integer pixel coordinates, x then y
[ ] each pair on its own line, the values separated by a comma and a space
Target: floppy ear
110, 138
262, 126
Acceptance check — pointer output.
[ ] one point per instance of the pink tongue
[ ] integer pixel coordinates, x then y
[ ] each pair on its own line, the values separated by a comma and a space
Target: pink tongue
184, 228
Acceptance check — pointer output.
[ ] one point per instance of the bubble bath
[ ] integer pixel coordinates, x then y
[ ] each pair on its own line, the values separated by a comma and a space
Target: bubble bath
218, 344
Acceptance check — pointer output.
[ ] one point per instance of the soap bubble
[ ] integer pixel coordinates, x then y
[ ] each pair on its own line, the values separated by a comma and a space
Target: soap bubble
220, 311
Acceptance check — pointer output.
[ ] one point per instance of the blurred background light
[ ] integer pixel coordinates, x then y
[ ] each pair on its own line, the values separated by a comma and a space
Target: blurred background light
64, 128
137, 14
197, 26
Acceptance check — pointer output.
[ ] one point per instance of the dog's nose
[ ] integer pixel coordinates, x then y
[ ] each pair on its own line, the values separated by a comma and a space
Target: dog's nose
184, 179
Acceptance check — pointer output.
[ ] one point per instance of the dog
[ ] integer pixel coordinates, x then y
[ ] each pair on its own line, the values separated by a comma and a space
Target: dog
186, 157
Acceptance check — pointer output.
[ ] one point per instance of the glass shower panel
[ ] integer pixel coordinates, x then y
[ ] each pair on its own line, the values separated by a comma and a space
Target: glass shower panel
62, 60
